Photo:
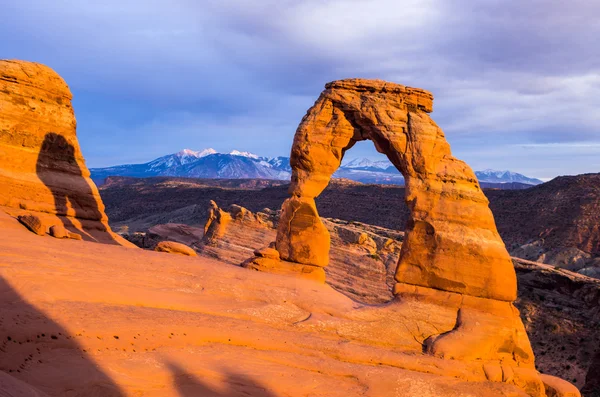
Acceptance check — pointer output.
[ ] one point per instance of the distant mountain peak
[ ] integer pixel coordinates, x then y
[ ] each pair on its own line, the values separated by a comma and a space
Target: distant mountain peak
193, 153
209, 163
504, 176
365, 163
243, 154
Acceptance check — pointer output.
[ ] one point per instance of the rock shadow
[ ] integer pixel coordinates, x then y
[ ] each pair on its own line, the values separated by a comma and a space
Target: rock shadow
38, 351
592, 381
188, 385
58, 169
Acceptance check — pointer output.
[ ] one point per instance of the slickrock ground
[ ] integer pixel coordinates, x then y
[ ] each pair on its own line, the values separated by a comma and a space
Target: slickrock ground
85, 319
560, 309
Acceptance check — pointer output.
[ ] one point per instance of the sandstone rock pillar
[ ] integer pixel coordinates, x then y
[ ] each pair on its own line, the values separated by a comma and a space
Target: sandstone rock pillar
42, 171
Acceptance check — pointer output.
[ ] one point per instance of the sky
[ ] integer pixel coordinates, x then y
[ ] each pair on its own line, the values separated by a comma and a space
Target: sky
516, 83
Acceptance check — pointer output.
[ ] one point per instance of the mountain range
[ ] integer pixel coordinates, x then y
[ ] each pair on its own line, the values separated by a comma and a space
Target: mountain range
208, 163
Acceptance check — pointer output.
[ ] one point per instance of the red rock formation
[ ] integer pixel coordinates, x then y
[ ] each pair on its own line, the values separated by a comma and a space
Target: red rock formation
216, 224
42, 170
452, 243
452, 255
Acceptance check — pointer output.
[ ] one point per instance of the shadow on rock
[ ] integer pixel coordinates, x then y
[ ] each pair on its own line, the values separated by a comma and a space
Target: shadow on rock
238, 385
41, 353
58, 169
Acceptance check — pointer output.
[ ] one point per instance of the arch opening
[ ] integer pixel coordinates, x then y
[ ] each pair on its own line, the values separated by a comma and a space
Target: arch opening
451, 239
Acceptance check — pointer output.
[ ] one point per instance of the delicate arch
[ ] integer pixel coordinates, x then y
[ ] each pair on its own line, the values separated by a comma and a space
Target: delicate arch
451, 239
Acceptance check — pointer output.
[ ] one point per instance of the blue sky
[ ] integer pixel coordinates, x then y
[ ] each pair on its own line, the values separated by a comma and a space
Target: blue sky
516, 84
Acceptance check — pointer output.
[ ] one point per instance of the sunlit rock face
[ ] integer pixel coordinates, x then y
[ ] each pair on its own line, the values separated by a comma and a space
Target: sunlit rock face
452, 243
42, 170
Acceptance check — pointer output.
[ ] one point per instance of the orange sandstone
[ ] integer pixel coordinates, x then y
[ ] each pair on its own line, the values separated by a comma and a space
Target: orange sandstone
42, 170
216, 224
452, 243
118, 322
173, 247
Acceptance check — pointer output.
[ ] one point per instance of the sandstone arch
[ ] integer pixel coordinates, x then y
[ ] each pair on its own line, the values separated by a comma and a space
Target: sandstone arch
452, 259
452, 243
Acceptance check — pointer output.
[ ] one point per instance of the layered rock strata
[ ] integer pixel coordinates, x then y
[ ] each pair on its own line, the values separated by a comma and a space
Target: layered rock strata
42, 170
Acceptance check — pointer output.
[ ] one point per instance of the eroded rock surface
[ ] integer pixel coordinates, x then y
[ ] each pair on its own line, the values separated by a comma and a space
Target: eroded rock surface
216, 224
42, 170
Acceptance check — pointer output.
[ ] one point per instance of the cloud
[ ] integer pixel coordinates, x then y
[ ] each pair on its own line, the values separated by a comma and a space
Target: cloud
504, 72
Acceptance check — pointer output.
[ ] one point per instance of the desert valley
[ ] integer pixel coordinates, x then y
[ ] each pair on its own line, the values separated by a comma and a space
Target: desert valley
295, 285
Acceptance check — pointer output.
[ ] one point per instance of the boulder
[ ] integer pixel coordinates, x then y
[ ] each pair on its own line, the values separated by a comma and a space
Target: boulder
42, 170
267, 252
74, 236
240, 213
33, 223
177, 232
277, 266
570, 258
268, 217
556, 387
59, 231
590, 272
172, 247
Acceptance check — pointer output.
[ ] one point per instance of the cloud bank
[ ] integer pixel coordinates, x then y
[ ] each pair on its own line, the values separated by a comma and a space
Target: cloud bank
516, 83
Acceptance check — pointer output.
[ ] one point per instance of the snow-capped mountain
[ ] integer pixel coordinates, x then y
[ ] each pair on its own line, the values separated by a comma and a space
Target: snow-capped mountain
367, 171
207, 163
236, 164
180, 158
366, 164
495, 176
281, 164
244, 154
